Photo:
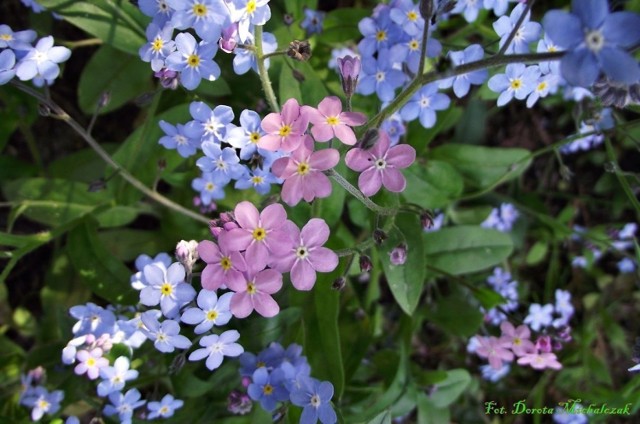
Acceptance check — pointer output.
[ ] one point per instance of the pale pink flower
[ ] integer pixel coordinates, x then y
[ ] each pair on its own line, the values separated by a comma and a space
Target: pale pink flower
223, 264
285, 130
540, 360
307, 255
90, 362
495, 350
330, 121
517, 338
254, 292
303, 173
260, 234
380, 165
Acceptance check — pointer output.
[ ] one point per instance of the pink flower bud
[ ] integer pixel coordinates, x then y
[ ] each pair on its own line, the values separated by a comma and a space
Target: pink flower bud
398, 255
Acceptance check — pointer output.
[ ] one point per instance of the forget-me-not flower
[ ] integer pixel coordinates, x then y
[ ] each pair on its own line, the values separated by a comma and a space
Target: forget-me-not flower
159, 10
527, 33
193, 60
211, 311
424, 104
183, 138
167, 288
166, 335
123, 405
210, 186
379, 76
246, 136
18, 40
518, 81
212, 123
245, 59
114, 377
248, 12
41, 62
7, 64
206, 17
165, 408
159, 46
462, 83
315, 399
216, 347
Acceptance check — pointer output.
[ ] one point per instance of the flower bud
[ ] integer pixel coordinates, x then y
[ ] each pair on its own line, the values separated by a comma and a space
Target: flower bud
187, 254
339, 283
379, 236
398, 256
229, 39
543, 344
239, 403
365, 263
168, 78
426, 219
349, 68
288, 19
426, 9
369, 139
299, 50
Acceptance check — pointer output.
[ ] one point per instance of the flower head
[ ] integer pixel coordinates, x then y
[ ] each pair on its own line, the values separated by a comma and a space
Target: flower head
330, 121
284, 130
165, 408
216, 347
211, 311
315, 399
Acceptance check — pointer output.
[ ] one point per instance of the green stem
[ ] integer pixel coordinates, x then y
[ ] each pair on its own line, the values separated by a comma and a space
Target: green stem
262, 72
82, 43
380, 210
423, 47
432, 76
62, 115
276, 53
515, 29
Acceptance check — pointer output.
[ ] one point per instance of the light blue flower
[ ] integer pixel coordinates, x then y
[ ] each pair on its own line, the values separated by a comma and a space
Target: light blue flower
7, 63
258, 179
224, 164
92, 319
527, 33
462, 83
167, 288
315, 399
468, 8
211, 311
380, 76
216, 347
183, 138
123, 405
114, 377
159, 10
313, 21
547, 46
546, 84
165, 408
626, 266
207, 17
595, 40
379, 33
209, 186
245, 59
491, 374
194, 61
166, 335
41, 62
159, 46
409, 50
406, 15
212, 124
268, 388
518, 81
19, 40
246, 136
540, 316
247, 13
42, 402
499, 6
138, 281
424, 104
394, 127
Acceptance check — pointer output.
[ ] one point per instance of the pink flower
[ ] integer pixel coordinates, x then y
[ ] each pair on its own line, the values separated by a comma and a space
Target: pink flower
307, 255
330, 121
260, 234
255, 290
517, 338
90, 362
495, 350
285, 130
223, 264
540, 360
302, 172
379, 165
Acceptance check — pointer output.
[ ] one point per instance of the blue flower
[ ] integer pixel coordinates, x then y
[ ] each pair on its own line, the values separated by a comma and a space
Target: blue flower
93, 319
313, 21
408, 51
33, 4
518, 81
114, 377
245, 59
247, 13
194, 61
7, 63
159, 47
207, 17
42, 402
499, 6
224, 164
212, 124
246, 136
123, 405
394, 127
166, 335
502, 219
547, 46
423, 104
268, 388
595, 40
462, 83
380, 76
315, 398
216, 347
491, 374
257, 178
468, 8
165, 408
159, 10
380, 33
184, 138
545, 85
211, 311
626, 266
166, 287
19, 40
406, 15
41, 62
209, 186
138, 281
527, 33
539, 316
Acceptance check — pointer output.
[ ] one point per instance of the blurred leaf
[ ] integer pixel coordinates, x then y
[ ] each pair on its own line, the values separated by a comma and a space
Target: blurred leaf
137, 242
116, 22
432, 185
288, 86
537, 253
488, 298
464, 249
405, 281
483, 167
110, 71
456, 315
382, 418
82, 166
341, 24
471, 126
447, 392
330, 208
104, 274
428, 413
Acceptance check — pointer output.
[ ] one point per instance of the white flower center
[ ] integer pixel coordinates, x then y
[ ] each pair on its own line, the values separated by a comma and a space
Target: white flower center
594, 40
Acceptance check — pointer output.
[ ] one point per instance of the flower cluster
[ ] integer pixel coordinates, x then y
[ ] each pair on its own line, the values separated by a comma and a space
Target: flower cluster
590, 132
218, 24
35, 395
19, 57
502, 218
503, 284
277, 375
622, 243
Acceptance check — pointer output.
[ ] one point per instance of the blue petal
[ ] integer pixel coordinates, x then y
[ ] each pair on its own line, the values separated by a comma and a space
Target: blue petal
580, 68
622, 29
563, 29
619, 65
591, 12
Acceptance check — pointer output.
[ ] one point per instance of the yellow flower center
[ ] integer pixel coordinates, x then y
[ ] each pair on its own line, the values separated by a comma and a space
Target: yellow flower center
267, 389
412, 15
91, 362
254, 137
166, 289
516, 84
251, 6
225, 263
210, 186
164, 410
199, 10
6, 37
517, 341
285, 130
251, 288
414, 45
381, 35
552, 49
212, 315
193, 60
259, 234
43, 405
260, 364
333, 120
157, 44
257, 179
303, 168
542, 86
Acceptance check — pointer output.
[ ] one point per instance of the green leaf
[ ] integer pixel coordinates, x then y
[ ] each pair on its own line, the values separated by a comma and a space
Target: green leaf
484, 167
330, 208
432, 185
465, 249
341, 24
456, 315
405, 281
104, 274
288, 87
111, 71
382, 418
116, 22
428, 413
446, 392
537, 253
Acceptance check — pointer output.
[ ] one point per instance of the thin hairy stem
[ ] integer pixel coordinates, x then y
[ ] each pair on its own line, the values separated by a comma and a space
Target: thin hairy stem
380, 210
262, 72
515, 29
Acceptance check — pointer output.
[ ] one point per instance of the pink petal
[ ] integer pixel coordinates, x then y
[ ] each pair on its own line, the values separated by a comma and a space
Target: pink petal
358, 159
279, 242
380, 148
273, 216
303, 276
269, 281
290, 111
237, 261
322, 131
279, 166
270, 142
312, 114
233, 278
320, 184
308, 188
393, 180
324, 159
208, 251
265, 305
323, 259
345, 134
272, 123
290, 143
212, 277
315, 233
237, 239
401, 155
258, 256
353, 118
247, 215
237, 284
292, 190
369, 182
330, 106
241, 306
